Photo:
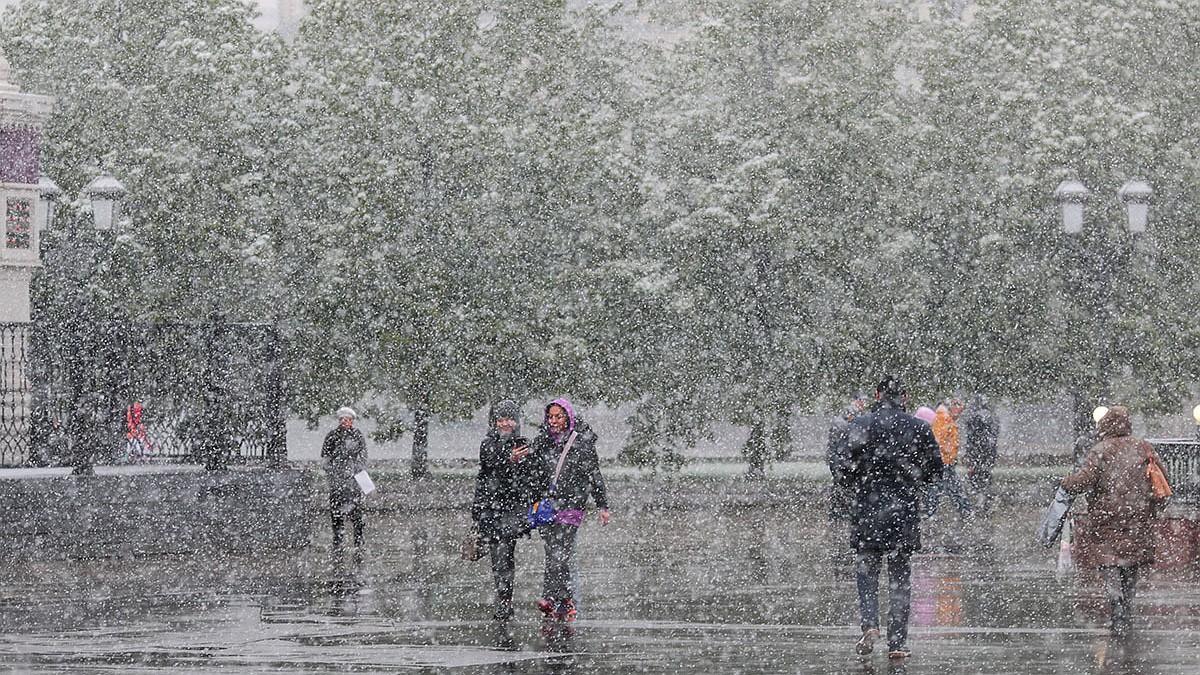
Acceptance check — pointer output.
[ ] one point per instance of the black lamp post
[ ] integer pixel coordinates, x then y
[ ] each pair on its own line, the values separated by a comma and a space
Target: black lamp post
1098, 262
95, 429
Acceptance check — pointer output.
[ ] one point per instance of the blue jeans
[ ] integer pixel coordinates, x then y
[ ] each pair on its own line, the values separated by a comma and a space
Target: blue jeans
868, 566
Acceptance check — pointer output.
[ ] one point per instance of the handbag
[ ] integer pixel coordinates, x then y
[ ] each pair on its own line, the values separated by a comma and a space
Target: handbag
1056, 514
1155, 474
472, 547
541, 512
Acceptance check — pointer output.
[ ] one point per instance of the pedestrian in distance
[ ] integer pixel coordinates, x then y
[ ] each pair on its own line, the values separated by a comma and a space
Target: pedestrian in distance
890, 456
981, 437
509, 480
1121, 509
566, 447
344, 454
835, 450
945, 430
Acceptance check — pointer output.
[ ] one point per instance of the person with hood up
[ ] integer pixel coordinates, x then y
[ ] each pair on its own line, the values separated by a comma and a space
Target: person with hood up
890, 455
1121, 507
343, 454
509, 480
566, 448
981, 436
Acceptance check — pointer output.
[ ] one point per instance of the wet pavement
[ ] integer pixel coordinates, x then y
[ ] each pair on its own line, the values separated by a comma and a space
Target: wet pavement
726, 589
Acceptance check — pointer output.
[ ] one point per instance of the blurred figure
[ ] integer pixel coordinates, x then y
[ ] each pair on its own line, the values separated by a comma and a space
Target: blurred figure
1121, 509
566, 448
507, 483
981, 436
343, 454
945, 430
835, 451
890, 455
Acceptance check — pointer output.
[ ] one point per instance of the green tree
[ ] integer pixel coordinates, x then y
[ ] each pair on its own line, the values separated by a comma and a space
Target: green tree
182, 100
466, 161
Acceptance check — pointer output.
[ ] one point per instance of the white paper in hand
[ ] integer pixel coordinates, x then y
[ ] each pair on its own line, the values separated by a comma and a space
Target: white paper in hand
364, 482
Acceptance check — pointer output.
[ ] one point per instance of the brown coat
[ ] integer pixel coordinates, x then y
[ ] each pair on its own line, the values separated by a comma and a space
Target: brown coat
1121, 507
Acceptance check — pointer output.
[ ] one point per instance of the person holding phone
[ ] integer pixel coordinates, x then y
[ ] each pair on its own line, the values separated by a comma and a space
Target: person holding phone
508, 481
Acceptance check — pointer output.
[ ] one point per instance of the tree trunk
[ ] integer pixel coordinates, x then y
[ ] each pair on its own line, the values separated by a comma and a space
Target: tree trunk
420, 445
756, 452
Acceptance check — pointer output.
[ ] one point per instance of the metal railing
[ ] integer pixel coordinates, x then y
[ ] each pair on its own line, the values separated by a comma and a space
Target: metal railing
14, 394
1181, 459
82, 392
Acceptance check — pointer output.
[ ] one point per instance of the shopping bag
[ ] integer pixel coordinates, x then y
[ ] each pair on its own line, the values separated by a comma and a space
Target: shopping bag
364, 482
1056, 514
472, 547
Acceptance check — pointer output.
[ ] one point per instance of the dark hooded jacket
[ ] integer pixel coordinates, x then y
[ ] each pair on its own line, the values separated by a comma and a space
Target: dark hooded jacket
889, 455
580, 477
504, 489
1119, 528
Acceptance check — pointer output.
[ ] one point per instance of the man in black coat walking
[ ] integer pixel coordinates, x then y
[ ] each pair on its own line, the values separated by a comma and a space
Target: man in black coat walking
889, 455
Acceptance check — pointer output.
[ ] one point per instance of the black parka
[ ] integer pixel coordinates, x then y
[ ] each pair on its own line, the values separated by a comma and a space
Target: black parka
580, 477
889, 456
504, 489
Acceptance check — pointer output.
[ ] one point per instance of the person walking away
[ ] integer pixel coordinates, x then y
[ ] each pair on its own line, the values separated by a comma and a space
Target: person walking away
508, 482
565, 440
890, 456
835, 450
1121, 509
981, 436
343, 454
945, 430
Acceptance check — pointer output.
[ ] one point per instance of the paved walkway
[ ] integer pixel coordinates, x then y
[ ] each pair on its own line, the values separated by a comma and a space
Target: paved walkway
699, 590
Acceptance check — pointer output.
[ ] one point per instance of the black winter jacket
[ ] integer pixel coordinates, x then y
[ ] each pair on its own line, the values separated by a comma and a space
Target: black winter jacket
504, 489
580, 477
889, 455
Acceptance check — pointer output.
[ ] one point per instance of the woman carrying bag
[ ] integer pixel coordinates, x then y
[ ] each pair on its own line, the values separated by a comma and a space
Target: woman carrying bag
566, 448
1122, 507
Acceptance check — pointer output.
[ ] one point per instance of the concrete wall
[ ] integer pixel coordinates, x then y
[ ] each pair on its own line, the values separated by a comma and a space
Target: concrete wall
173, 510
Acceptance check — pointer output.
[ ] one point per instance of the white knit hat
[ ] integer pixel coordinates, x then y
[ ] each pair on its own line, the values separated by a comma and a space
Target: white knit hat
346, 411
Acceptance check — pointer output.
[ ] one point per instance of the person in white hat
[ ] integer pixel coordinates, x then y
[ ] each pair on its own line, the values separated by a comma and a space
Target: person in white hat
343, 454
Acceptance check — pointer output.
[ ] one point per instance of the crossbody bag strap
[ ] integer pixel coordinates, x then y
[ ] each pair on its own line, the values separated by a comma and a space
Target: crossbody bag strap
562, 457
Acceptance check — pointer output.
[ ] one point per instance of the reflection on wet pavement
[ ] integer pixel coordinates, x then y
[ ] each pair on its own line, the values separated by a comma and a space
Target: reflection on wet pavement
733, 589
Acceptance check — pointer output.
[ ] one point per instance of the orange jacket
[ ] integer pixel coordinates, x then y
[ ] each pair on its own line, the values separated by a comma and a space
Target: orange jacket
945, 430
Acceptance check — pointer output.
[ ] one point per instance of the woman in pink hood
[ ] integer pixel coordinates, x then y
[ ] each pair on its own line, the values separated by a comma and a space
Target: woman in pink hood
566, 446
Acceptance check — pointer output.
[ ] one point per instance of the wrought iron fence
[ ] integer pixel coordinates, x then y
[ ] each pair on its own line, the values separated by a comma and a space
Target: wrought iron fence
14, 394
1181, 459
111, 391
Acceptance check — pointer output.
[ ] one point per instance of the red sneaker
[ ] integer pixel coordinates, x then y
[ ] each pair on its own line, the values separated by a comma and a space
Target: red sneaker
547, 606
566, 611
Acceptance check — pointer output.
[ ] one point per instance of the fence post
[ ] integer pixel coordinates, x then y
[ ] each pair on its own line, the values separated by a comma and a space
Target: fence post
274, 380
217, 443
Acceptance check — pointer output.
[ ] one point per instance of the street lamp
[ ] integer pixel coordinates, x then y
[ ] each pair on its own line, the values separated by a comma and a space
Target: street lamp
49, 192
1071, 194
1136, 196
1098, 263
105, 193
